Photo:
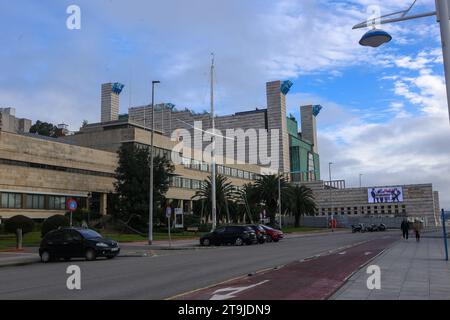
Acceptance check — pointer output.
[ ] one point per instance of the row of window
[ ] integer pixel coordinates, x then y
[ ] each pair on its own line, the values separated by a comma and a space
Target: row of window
185, 183
223, 170
55, 168
32, 201
205, 167
366, 210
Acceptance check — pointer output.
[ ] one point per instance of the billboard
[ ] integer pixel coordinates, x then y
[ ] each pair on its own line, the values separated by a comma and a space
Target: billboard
385, 195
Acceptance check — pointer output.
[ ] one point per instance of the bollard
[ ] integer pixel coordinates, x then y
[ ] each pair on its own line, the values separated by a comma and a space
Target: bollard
19, 239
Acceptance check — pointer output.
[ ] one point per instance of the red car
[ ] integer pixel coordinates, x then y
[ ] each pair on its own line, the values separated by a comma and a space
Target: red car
275, 234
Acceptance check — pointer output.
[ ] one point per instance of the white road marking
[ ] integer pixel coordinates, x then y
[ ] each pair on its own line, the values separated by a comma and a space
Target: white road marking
342, 253
232, 291
367, 253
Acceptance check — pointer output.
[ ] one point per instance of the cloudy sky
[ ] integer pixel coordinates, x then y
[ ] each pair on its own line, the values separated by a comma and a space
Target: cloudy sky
384, 115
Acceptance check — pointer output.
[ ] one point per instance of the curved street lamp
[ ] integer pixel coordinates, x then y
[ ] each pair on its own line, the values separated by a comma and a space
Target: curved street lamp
376, 37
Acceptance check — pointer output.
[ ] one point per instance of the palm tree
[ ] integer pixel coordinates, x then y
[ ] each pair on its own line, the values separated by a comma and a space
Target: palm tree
266, 188
301, 202
225, 193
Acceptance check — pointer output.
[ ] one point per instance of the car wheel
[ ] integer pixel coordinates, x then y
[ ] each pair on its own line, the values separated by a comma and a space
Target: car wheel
239, 242
206, 242
45, 257
90, 255
276, 240
110, 257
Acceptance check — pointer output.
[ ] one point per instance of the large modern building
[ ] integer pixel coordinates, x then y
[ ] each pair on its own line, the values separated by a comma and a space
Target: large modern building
38, 174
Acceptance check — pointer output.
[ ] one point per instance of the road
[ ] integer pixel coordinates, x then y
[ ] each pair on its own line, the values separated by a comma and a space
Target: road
167, 274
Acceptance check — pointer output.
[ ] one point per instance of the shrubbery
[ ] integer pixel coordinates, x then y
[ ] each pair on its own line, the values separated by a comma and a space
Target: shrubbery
54, 222
19, 222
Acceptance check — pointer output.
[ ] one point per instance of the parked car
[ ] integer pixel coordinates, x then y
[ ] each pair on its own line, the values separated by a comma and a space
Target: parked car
275, 234
237, 235
67, 243
261, 234
382, 227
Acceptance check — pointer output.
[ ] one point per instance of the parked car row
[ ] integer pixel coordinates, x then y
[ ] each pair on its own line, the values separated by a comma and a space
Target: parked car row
240, 235
361, 227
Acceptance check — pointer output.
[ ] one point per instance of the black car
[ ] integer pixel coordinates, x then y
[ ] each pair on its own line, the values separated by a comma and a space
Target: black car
70, 243
237, 235
260, 232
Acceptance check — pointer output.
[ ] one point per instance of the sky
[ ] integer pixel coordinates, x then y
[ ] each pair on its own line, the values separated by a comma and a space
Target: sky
385, 113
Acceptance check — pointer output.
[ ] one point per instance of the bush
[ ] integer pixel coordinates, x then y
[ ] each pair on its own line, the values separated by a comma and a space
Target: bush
19, 222
54, 222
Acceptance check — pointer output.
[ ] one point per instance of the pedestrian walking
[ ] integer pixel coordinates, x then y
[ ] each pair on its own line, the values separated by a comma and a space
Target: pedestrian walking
405, 229
417, 229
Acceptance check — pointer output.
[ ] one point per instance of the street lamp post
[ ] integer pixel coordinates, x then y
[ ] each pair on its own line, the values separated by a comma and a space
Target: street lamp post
213, 152
331, 197
375, 39
279, 198
150, 216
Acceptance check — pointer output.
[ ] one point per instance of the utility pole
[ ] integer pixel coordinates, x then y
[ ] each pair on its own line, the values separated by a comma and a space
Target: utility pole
279, 197
213, 152
150, 215
331, 197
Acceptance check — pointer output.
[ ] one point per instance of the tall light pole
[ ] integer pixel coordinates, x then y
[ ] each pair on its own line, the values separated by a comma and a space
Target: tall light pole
150, 215
375, 38
279, 197
331, 196
213, 151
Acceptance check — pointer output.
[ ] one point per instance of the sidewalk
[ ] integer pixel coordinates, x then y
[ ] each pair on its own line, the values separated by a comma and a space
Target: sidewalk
409, 271
17, 258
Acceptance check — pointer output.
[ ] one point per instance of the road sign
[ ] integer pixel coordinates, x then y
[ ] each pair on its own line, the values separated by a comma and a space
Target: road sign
168, 212
72, 205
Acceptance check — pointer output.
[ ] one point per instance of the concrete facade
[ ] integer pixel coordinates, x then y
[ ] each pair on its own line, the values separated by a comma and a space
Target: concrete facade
9, 122
110, 101
420, 201
47, 172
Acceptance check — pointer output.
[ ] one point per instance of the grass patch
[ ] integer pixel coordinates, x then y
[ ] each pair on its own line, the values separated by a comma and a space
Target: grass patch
8, 241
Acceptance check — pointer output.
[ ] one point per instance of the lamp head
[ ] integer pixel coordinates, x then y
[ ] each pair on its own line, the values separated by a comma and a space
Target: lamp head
375, 38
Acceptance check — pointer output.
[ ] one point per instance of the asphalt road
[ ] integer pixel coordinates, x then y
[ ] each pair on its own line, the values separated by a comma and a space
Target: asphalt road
165, 274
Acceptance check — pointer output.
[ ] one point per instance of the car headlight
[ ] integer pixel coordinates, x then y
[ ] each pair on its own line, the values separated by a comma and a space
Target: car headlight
101, 244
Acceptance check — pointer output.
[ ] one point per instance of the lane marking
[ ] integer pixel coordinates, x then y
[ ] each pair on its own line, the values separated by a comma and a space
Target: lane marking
233, 291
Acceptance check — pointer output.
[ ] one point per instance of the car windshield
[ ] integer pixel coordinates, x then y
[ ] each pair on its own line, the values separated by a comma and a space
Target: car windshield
89, 234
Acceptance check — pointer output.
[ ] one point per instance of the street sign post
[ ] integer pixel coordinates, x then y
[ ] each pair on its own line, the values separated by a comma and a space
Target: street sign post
72, 206
169, 215
445, 216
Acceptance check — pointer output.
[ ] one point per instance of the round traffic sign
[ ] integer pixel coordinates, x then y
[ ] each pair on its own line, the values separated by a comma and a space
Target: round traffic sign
72, 205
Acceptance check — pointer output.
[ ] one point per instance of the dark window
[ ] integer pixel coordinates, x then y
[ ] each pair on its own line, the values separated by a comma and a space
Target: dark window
35, 201
11, 200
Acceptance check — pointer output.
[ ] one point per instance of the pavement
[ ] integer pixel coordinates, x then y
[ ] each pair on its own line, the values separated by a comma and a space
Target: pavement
409, 271
168, 273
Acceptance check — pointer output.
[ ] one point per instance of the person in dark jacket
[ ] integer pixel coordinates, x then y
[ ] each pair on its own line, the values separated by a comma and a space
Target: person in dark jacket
405, 229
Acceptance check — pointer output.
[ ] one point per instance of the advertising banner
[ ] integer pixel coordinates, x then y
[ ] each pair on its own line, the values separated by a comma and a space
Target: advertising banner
385, 195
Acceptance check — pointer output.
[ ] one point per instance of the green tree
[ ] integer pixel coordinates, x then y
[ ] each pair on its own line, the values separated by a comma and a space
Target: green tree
44, 129
133, 184
301, 202
266, 188
225, 193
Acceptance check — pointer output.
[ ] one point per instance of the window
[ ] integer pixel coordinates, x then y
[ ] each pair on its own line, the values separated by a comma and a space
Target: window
35, 201
227, 171
240, 174
177, 182
246, 175
234, 172
204, 166
11, 200
186, 183
56, 203
195, 184
220, 169
195, 165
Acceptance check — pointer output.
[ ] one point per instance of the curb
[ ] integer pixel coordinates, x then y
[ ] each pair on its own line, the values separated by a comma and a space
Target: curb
19, 263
